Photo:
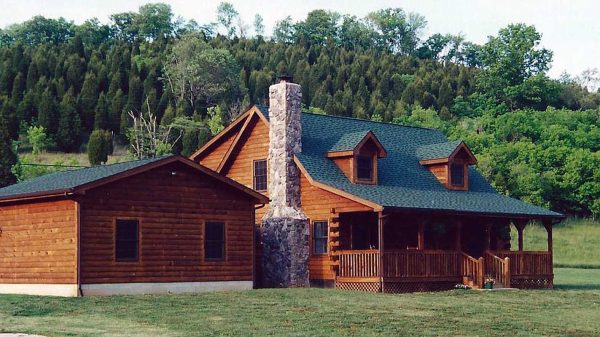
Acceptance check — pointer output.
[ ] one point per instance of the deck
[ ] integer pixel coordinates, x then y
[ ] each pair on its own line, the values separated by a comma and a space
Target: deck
422, 270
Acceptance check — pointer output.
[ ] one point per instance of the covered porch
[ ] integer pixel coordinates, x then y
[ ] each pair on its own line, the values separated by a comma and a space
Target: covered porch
400, 251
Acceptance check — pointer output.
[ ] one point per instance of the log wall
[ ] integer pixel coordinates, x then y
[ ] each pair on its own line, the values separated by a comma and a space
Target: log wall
171, 209
38, 243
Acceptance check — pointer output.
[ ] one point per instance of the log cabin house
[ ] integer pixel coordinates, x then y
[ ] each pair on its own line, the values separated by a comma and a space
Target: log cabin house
147, 226
391, 208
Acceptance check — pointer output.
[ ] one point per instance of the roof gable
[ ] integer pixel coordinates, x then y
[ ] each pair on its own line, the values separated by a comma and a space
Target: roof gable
351, 143
78, 181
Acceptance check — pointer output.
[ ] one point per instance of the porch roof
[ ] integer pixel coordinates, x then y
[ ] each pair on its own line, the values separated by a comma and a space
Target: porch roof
403, 182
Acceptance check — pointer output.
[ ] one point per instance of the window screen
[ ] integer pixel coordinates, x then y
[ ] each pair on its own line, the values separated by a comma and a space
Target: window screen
127, 240
364, 168
320, 237
214, 240
260, 175
457, 174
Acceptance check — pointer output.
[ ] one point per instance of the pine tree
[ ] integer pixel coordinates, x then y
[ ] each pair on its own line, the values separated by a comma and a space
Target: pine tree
101, 116
445, 95
68, 136
47, 114
114, 113
8, 158
87, 100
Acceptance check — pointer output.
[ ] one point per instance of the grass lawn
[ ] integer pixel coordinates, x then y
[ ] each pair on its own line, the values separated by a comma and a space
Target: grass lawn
576, 242
568, 311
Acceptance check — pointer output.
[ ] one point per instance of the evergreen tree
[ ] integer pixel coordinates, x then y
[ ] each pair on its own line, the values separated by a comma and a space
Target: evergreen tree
47, 112
68, 135
101, 121
114, 112
99, 147
8, 158
87, 101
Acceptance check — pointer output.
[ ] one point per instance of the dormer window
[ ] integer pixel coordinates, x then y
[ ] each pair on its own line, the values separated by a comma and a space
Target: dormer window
364, 168
448, 162
457, 174
356, 155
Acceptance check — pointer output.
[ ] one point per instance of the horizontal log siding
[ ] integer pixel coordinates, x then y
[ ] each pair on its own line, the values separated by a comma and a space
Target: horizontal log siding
213, 158
171, 210
317, 204
254, 146
38, 243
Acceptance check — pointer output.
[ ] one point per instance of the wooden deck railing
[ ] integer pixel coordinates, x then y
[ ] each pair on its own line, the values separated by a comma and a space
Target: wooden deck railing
473, 269
359, 263
400, 263
498, 268
526, 263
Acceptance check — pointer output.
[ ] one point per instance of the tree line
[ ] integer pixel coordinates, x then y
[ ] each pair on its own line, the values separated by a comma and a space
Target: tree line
72, 80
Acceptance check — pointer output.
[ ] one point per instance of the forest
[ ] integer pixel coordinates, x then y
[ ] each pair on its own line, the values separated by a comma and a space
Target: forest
87, 87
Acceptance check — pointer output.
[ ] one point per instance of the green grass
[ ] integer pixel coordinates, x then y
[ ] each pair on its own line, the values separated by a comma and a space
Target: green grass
573, 310
576, 242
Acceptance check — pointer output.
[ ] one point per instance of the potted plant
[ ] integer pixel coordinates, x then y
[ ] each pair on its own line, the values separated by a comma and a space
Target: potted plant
489, 282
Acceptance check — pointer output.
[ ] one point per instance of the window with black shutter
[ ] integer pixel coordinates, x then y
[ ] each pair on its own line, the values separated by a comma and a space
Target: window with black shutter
127, 240
214, 240
260, 175
320, 237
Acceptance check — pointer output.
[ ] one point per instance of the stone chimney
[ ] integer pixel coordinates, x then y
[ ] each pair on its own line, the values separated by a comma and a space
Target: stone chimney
285, 227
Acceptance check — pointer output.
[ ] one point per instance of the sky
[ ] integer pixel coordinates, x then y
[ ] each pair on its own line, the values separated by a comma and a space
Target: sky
570, 28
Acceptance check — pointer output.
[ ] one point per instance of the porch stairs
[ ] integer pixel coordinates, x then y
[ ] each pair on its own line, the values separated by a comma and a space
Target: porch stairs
475, 271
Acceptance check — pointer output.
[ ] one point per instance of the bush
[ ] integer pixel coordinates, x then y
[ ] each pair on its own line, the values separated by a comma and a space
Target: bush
39, 140
99, 147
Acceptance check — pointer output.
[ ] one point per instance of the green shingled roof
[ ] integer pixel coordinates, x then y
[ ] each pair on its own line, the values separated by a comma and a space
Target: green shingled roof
349, 141
67, 180
403, 182
438, 150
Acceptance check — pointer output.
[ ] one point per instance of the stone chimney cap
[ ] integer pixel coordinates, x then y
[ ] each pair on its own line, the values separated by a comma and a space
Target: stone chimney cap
285, 78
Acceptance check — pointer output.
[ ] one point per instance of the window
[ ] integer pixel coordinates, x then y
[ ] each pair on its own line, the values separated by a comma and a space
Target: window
127, 240
320, 237
457, 174
260, 175
364, 168
214, 240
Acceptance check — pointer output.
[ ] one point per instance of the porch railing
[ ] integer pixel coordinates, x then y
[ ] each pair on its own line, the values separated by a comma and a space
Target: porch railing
400, 263
359, 263
499, 268
473, 269
525, 263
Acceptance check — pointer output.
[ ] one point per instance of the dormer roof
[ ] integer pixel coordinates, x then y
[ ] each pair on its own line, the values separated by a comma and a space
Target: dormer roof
443, 152
351, 143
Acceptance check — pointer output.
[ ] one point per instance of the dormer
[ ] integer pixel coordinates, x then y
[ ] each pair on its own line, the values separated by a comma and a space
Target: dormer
357, 154
449, 162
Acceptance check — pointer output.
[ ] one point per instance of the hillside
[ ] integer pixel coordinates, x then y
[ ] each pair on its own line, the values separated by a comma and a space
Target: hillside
537, 139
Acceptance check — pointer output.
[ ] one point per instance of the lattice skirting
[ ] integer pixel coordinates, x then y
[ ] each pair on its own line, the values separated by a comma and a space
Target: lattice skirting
396, 287
371, 287
532, 283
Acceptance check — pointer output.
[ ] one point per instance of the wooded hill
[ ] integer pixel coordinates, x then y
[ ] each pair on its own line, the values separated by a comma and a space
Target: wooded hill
536, 138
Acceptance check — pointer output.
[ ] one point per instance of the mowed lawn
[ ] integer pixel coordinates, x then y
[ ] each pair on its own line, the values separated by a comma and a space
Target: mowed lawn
572, 310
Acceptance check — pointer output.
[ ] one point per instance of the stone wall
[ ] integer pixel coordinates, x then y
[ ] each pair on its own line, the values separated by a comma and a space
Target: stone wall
285, 227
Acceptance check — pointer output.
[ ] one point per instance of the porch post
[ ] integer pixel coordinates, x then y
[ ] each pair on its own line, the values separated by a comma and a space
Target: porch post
548, 226
487, 239
421, 234
520, 225
381, 249
458, 243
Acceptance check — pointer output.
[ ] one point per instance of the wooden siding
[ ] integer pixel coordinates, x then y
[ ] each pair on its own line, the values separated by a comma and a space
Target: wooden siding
440, 172
345, 164
213, 158
171, 209
317, 204
255, 146
38, 243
